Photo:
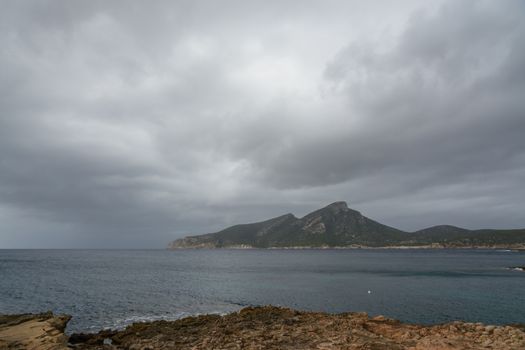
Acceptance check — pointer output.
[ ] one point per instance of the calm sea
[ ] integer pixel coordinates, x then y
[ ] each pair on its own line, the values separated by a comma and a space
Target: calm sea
103, 288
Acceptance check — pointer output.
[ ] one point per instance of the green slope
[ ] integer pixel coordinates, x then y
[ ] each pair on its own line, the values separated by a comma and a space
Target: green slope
336, 225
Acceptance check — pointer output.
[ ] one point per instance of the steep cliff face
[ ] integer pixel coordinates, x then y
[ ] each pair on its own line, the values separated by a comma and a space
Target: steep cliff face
336, 225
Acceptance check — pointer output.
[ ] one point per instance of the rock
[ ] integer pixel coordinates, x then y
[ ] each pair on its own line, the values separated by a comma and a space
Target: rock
490, 328
281, 328
379, 318
487, 343
39, 332
265, 327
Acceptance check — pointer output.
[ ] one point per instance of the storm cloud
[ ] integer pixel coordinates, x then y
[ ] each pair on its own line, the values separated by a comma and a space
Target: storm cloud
129, 124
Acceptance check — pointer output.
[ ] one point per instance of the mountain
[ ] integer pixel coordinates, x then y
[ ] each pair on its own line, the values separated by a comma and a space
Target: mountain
336, 225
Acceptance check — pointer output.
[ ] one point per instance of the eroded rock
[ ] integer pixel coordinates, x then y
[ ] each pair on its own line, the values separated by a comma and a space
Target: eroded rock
265, 327
281, 328
33, 332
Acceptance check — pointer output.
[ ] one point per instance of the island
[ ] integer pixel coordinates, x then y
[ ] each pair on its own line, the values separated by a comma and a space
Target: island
338, 226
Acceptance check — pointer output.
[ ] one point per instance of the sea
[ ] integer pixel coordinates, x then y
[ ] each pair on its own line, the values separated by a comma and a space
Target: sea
113, 288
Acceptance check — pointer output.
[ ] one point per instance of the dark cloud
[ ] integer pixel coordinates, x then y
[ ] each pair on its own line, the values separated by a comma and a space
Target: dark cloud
126, 125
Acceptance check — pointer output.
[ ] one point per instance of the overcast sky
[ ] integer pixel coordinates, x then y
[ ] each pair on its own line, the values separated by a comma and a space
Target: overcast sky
129, 124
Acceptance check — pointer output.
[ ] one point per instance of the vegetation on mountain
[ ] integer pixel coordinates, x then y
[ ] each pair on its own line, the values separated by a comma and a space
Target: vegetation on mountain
336, 225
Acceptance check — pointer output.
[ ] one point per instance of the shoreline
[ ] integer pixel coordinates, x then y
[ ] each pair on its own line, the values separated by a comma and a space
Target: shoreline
262, 327
520, 248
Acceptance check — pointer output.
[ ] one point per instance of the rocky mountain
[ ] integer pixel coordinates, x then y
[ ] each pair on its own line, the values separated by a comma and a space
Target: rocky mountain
336, 225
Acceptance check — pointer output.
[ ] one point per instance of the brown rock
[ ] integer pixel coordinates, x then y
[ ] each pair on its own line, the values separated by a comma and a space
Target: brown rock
263, 328
33, 332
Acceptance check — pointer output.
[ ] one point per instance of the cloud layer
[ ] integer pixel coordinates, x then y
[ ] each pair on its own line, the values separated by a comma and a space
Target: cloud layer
128, 124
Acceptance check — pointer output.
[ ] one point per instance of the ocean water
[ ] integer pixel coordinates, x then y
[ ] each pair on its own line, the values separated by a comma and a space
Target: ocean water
113, 288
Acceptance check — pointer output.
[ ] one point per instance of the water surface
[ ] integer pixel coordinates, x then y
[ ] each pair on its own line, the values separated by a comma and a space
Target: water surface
112, 288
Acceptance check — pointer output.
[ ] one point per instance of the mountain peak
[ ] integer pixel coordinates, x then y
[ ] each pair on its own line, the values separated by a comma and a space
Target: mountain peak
338, 205
334, 209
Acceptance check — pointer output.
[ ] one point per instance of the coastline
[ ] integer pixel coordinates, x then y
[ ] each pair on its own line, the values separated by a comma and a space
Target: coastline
514, 248
264, 327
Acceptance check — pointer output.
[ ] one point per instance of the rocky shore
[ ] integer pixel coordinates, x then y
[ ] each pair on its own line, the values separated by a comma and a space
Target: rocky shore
262, 328
33, 332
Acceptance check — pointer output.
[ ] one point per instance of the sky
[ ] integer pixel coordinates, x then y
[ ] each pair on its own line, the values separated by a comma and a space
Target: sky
127, 124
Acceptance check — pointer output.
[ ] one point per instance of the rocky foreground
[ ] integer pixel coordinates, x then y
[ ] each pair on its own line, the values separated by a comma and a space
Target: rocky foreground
262, 328
33, 332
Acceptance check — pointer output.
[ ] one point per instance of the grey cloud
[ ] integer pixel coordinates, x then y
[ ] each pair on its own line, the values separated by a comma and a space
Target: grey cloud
126, 125
414, 112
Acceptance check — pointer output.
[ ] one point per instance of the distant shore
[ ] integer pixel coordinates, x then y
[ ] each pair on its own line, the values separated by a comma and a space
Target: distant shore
336, 226
354, 247
265, 327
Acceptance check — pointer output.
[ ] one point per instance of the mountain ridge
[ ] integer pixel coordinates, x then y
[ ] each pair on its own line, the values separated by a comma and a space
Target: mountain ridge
337, 225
